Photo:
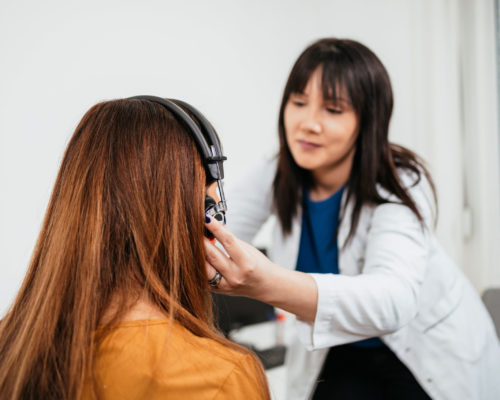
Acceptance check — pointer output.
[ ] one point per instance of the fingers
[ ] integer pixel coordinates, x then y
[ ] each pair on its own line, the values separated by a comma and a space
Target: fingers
221, 233
216, 259
226, 239
210, 270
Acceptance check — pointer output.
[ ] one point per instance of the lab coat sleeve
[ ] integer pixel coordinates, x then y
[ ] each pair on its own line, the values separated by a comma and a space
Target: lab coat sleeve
249, 200
385, 296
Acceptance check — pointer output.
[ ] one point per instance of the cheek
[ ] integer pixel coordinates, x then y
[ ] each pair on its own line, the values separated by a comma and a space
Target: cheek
343, 132
288, 121
290, 125
352, 134
340, 143
212, 191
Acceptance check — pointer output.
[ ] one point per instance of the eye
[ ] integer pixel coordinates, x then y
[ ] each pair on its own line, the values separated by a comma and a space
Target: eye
334, 110
297, 100
298, 103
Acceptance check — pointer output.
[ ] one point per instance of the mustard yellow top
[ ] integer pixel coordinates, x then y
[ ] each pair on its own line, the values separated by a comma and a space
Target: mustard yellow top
152, 359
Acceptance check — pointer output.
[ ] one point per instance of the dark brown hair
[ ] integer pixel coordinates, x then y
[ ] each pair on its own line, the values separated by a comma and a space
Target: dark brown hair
348, 66
125, 220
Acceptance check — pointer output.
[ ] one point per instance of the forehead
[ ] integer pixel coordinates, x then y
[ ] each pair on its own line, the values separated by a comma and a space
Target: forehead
329, 83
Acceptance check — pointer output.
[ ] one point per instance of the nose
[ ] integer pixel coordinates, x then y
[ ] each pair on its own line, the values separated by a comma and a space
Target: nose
311, 122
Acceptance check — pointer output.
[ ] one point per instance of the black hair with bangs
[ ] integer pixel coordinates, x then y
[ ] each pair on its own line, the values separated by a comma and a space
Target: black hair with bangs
348, 67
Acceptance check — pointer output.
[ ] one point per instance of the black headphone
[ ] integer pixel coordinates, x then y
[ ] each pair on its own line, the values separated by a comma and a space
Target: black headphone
208, 144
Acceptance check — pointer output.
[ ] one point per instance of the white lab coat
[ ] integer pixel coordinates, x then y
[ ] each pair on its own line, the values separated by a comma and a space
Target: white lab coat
395, 282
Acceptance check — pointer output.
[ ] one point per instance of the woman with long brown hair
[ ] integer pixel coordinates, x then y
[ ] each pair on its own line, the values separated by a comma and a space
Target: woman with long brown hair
115, 303
354, 256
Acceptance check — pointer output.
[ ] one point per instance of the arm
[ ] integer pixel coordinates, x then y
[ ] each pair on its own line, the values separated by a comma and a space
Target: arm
385, 296
337, 309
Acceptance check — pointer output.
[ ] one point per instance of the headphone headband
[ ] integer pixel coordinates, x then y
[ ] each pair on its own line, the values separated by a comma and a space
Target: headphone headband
207, 142
203, 133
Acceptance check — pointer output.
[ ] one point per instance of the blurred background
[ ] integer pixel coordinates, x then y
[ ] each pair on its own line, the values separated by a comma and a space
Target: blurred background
230, 58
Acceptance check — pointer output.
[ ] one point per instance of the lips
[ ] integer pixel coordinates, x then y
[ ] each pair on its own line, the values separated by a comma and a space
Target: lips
307, 146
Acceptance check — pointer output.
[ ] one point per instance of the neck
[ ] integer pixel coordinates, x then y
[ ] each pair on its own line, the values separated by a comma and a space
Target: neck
329, 180
141, 309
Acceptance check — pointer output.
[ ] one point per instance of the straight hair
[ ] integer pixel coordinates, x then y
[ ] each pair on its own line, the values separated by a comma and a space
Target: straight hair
350, 67
125, 220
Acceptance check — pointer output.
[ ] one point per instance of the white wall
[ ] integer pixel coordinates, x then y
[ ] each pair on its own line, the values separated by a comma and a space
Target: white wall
480, 165
228, 58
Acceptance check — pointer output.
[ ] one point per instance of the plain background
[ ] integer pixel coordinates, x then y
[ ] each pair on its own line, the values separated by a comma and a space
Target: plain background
231, 59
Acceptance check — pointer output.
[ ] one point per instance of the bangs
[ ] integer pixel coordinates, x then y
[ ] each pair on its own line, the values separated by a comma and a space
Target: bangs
335, 83
299, 77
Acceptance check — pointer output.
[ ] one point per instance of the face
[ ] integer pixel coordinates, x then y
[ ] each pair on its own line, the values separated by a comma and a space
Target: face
211, 190
320, 133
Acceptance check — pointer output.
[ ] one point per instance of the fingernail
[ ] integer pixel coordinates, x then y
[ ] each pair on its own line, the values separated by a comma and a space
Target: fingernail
207, 219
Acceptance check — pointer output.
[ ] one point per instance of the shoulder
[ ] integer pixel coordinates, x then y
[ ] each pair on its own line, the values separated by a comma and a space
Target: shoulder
242, 381
156, 359
222, 371
415, 184
418, 188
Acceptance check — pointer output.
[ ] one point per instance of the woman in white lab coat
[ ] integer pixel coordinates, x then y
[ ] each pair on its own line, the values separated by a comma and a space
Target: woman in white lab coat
381, 311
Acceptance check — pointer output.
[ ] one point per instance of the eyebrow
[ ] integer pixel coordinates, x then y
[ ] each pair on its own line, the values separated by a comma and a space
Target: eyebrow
332, 99
339, 100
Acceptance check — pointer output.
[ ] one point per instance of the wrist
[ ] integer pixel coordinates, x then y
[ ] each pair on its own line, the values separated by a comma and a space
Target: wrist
268, 286
292, 291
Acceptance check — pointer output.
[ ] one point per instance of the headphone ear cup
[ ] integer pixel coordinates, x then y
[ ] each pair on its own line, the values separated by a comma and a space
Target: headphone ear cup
209, 205
212, 210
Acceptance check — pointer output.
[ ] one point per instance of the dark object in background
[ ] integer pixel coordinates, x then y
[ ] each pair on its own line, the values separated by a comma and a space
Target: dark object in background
491, 299
271, 357
232, 312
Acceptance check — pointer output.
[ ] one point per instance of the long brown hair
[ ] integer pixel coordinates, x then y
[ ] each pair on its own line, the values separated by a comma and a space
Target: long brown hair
125, 219
349, 65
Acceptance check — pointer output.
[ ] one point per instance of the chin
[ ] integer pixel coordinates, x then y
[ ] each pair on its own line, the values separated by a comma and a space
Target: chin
308, 159
306, 164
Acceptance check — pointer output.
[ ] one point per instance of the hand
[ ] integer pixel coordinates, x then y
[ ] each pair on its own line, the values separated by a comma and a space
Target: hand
243, 269
247, 272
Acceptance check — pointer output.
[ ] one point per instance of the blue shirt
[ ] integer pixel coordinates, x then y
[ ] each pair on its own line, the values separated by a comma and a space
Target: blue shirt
318, 249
